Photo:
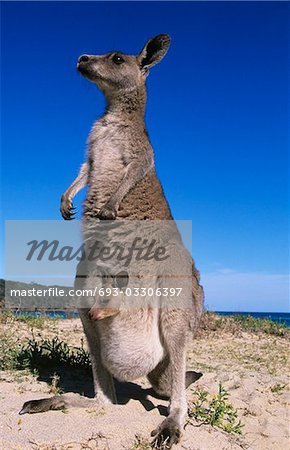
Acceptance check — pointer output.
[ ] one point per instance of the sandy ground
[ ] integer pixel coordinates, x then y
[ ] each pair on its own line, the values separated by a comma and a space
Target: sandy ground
252, 367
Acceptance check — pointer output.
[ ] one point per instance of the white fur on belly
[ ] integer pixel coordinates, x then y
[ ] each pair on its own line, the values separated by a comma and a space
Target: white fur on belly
123, 351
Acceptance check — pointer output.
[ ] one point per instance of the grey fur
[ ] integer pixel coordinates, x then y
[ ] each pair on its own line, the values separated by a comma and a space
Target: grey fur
122, 183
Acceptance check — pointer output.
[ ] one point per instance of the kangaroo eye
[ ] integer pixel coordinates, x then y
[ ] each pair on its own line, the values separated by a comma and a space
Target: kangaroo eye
118, 59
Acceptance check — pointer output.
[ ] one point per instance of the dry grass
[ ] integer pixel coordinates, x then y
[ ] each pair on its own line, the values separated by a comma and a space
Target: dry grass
237, 324
96, 442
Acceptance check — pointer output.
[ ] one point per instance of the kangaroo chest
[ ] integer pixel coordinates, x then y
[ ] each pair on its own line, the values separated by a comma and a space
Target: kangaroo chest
109, 153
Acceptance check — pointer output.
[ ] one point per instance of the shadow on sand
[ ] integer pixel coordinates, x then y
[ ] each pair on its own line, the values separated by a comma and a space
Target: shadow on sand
80, 381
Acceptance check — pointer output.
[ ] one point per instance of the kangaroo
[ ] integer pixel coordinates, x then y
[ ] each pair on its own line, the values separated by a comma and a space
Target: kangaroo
122, 184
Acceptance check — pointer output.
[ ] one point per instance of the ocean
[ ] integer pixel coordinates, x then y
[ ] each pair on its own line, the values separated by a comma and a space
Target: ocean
279, 317
282, 318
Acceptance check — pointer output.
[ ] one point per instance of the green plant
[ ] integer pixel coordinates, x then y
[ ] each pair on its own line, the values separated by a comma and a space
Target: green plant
277, 388
51, 352
239, 322
32, 321
249, 323
54, 387
9, 350
141, 443
34, 354
217, 411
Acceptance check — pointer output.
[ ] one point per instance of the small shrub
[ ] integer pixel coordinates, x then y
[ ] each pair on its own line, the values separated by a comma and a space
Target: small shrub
51, 352
249, 323
239, 322
34, 354
216, 411
9, 350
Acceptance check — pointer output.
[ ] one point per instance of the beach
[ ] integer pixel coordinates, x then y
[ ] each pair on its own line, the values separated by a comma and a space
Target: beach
251, 366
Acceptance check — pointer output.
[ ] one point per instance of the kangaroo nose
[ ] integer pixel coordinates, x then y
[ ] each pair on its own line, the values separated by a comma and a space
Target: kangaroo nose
84, 58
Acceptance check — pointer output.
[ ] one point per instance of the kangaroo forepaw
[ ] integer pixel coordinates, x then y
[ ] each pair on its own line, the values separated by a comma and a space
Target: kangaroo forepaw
45, 404
107, 213
67, 208
166, 434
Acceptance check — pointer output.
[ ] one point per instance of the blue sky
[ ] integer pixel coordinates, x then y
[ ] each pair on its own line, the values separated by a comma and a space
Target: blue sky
216, 115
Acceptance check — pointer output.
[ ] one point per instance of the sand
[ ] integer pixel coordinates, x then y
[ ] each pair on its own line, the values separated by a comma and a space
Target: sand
252, 367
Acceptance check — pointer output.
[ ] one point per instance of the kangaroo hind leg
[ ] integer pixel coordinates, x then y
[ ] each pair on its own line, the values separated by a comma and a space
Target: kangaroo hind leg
160, 378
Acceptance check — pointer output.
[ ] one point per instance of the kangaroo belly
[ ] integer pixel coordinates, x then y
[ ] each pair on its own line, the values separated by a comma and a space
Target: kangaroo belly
126, 354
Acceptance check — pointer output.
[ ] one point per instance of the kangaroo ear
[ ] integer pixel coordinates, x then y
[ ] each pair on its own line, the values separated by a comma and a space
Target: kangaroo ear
154, 50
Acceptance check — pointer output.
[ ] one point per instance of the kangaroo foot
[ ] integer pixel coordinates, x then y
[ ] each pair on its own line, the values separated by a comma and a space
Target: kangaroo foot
166, 434
58, 402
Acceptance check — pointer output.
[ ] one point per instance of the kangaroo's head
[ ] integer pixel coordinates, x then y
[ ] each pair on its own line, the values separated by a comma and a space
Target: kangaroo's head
116, 72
